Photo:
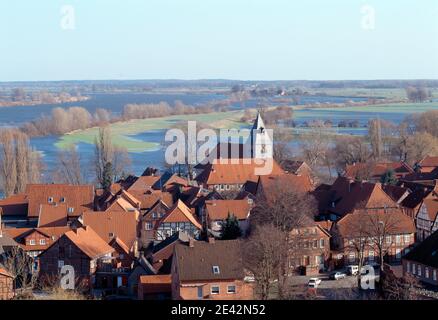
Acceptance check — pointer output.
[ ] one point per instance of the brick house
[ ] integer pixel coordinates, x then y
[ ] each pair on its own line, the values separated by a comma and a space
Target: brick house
120, 230
6, 285
35, 240
81, 248
422, 261
209, 270
311, 251
217, 211
346, 195
364, 231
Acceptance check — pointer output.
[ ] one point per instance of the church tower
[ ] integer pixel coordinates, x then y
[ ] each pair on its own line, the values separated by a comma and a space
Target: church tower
262, 144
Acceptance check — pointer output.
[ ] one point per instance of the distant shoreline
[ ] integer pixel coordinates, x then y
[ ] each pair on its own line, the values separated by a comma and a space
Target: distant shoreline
11, 104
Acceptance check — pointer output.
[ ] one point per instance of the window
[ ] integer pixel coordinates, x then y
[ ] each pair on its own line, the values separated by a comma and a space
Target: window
371, 255
200, 293
148, 226
214, 290
60, 263
426, 272
414, 268
71, 209
50, 199
321, 243
231, 289
216, 270
43, 242
419, 270
32, 242
315, 244
154, 215
111, 235
62, 199
407, 238
434, 275
388, 239
397, 238
408, 267
351, 257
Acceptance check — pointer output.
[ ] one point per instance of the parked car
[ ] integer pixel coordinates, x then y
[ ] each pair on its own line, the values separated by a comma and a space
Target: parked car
338, 275
353, 270
314, 282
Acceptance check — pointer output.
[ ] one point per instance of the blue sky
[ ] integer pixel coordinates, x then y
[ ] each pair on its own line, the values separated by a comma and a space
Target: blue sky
232, 39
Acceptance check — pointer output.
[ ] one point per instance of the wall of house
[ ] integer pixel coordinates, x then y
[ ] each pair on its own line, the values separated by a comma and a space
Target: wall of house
6, 287
64, 252
394, 250
189, 290
424, 273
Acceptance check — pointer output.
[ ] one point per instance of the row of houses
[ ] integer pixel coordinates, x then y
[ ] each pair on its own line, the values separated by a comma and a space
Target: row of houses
159, 235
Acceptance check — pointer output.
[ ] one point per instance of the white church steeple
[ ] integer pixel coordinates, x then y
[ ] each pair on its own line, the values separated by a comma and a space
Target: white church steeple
261, 140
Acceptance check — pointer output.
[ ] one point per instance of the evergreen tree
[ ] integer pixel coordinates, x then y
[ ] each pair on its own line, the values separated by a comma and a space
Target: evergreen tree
107, 176
389, 177
231, 229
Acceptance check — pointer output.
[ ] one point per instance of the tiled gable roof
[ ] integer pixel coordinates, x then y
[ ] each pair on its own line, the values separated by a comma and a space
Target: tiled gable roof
80, 198
53, 215
196, 263
180, 213
111, 224
219, 209
89, 242
15, 205
234, 173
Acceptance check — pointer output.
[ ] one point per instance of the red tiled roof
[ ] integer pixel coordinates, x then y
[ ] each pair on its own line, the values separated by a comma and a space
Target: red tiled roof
429, 162
180, 213
53, 215
301, 183
110, 224
397, 222
143, 183
80, 198
378, 169
354, 195
89, 242
15, 205
18, 234
148, 199
234, 173
219, 209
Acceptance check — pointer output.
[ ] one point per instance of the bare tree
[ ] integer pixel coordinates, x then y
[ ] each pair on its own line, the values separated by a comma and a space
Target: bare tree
68, 169
20, 266
103, 152
262, 257
8, 162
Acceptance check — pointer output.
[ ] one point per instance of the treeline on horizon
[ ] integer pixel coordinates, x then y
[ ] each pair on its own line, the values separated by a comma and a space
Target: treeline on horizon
62, 120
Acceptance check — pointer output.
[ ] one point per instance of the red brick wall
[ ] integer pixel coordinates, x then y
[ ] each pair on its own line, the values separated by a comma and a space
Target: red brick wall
244, 291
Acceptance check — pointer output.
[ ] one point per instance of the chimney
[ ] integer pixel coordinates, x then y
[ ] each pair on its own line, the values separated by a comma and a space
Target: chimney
191, 243
211, 240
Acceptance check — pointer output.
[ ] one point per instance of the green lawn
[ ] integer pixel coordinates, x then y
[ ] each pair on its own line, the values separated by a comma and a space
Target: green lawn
390, 108
122, 132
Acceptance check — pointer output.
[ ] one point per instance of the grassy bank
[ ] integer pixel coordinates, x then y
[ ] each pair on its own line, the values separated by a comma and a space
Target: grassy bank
123, 132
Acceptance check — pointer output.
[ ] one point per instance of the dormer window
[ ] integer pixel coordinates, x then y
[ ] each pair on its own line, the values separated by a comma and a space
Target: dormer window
50, 200
71, 210
216, 270
111, 235
62, 200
